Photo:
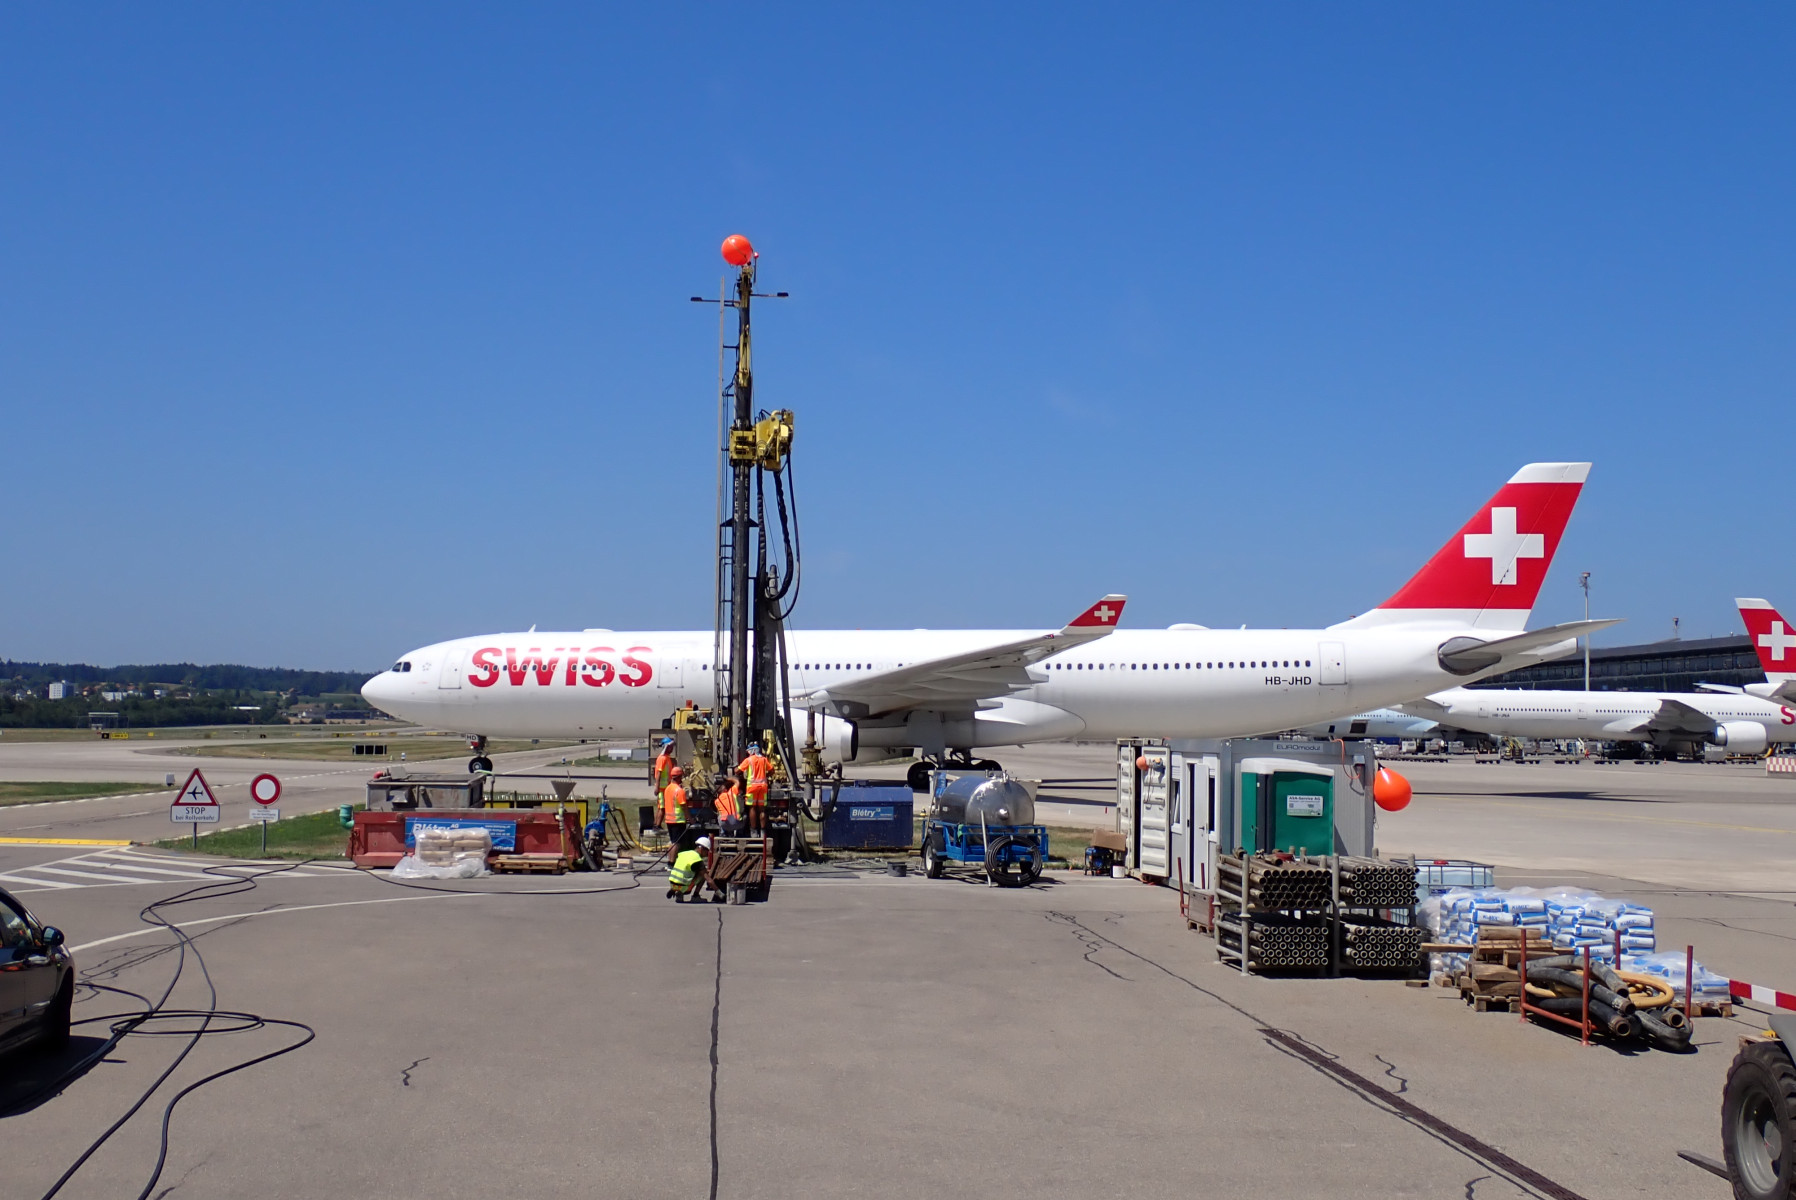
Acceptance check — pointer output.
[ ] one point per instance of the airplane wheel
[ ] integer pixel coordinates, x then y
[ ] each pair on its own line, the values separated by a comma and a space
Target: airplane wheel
918, 776
988, 764
479, 762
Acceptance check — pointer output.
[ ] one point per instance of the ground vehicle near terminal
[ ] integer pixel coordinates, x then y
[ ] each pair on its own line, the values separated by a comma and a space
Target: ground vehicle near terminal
37, 980
867, 695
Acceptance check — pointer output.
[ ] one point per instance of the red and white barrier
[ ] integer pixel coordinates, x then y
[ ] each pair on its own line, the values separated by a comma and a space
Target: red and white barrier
1739, 989
1781, 764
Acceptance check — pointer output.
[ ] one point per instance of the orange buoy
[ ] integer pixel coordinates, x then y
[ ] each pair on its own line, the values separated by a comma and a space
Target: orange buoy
737, 251
1141, 763
1390, 791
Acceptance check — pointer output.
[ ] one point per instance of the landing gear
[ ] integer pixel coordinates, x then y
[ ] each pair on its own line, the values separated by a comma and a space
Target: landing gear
480, 762
918, 775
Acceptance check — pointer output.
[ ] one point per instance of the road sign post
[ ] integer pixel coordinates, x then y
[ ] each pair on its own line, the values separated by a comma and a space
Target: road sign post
265, 790
194, 804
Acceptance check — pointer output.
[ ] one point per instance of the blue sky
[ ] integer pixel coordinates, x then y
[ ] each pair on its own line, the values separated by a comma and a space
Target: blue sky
330, 330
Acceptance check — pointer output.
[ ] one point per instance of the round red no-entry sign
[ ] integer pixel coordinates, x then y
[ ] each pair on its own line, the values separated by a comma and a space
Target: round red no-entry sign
264, 789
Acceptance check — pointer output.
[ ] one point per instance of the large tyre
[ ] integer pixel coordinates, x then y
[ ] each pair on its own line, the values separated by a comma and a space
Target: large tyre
918, 776
1758, 1122
61, 1015
479, 762
988, 764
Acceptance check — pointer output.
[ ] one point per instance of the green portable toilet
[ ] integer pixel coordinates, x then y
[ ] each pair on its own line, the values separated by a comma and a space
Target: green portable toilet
1286, 805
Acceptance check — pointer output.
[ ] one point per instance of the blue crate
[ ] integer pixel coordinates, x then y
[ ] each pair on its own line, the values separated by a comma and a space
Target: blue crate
868, 814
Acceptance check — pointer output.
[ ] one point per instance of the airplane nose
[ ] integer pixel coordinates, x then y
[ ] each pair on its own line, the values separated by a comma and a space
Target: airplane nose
378, 690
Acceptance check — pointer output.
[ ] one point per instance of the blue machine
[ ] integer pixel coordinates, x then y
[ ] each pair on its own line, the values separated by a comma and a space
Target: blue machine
985, 821
867, 814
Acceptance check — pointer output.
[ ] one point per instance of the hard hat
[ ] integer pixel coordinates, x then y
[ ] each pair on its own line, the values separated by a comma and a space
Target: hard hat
676, 773
704, 841
667, 741
754, 747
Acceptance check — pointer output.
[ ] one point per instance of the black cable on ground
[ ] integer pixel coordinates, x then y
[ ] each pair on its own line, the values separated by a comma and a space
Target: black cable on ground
716, 1012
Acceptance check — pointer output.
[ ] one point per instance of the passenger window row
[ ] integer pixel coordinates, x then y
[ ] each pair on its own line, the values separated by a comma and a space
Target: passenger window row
1259, 664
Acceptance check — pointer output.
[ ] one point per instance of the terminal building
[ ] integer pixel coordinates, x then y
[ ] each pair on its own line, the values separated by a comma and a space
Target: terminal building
1671, 666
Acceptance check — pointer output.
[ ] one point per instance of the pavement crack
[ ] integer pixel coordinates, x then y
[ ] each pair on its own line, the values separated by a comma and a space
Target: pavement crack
716, 1012
1390, 1069
405, 1076
1091, 942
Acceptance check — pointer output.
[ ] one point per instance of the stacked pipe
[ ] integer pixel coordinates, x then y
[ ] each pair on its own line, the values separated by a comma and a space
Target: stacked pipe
1289, 885
1376, 883
1275, 941
1375, 944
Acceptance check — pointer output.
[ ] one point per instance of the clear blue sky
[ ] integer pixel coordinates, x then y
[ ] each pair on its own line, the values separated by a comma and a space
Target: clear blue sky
329, 330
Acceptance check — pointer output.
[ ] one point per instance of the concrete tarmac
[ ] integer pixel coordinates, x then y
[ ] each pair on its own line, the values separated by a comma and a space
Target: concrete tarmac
879, 1036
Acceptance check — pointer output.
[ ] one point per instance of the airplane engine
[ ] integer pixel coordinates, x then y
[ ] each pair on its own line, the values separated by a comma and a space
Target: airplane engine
1740, 737
839, 740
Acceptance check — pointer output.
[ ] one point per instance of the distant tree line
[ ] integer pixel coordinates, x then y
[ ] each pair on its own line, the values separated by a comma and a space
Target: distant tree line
220, 676
142, 712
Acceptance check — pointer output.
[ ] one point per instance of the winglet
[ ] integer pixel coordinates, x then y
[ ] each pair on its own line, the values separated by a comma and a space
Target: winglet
1102, 615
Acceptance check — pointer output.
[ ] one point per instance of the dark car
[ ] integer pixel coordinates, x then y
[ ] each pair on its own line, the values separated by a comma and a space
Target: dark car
37, 979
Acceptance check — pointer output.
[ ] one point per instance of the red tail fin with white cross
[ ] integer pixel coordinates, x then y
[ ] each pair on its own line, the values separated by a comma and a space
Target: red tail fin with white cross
1772, 636
1489, 573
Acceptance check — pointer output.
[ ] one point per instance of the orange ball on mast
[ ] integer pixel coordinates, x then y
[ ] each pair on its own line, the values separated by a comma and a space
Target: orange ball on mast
737, 251
1390, 791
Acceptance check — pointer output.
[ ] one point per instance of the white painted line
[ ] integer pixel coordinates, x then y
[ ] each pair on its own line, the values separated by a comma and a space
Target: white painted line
87, 875
264, 912
148, 870
37, 882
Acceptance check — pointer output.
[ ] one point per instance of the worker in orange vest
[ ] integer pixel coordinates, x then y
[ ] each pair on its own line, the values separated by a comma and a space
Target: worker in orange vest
673, 806
664, 764
729, 808
754, 769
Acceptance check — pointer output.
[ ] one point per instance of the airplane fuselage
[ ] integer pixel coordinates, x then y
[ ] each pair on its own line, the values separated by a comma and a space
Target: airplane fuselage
1604, 716
1154, 683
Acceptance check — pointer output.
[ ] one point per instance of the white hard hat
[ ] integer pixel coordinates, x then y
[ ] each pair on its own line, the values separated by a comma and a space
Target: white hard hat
705, 842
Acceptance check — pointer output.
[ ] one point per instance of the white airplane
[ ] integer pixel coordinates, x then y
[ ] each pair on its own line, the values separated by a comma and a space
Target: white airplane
1379, 723
878, 694
1733, 721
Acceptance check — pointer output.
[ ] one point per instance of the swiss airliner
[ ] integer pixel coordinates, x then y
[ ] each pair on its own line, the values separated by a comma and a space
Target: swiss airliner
944, 694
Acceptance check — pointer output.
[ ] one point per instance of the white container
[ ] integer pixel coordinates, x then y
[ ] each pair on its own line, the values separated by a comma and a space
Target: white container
1119, 872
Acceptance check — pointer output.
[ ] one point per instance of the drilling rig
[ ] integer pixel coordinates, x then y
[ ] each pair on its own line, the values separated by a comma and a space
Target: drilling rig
758, 576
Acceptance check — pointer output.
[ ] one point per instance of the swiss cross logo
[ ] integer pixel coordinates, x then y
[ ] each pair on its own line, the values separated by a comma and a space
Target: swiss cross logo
1778, 641
1106, 614
1503, 546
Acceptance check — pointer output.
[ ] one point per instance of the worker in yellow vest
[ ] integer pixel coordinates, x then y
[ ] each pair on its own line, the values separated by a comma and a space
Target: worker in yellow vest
688, 871
729, 808
754, 769
673, 806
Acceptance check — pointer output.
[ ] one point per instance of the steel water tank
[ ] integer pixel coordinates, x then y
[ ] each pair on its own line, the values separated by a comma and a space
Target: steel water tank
975, 798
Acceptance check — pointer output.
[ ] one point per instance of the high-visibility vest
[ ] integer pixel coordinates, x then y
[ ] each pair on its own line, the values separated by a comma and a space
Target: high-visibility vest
685, 863
755, 765
663, 767
726, 803
673, 803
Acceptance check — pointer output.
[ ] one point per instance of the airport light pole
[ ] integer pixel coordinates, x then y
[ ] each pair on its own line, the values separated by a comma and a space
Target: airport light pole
1584, 582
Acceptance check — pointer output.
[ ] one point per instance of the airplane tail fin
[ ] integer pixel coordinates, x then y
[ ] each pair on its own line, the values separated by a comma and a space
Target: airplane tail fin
1489, 573
1772, 636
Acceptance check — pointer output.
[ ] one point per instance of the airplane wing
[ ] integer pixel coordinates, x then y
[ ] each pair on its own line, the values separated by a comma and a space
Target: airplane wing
1427, 708
963, 679
1781, 692
1468, 656
1674, 716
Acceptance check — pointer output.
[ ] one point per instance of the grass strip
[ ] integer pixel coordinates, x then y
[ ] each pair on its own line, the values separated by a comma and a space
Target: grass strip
314, 835
30, 792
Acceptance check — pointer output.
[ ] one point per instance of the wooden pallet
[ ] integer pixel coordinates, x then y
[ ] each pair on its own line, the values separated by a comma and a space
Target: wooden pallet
528, 864
1712, 1008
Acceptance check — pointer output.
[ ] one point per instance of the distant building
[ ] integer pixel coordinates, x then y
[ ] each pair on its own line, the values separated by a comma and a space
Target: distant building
115, 697
1674, 666
62, 689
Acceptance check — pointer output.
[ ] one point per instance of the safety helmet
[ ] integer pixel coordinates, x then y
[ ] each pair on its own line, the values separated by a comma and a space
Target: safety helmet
676, 773
754, 747
704, 841
667, 741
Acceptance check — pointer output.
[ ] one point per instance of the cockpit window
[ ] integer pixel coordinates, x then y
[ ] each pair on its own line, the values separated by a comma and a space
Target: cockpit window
401, 667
